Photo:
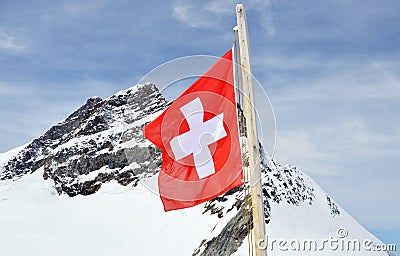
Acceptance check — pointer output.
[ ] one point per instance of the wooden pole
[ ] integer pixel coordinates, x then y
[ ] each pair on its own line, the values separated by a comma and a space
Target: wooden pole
258, 231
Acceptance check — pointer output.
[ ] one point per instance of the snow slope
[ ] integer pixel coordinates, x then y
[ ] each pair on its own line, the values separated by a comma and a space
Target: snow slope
117, 220
305, 227
120, 220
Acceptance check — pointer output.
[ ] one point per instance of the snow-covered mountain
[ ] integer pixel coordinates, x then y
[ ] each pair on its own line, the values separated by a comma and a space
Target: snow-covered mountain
86, 187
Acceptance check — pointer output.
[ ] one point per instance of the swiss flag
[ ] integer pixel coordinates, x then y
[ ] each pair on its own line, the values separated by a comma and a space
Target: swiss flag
199, 138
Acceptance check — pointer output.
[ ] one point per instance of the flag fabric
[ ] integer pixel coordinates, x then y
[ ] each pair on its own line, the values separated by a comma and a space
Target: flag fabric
199, 138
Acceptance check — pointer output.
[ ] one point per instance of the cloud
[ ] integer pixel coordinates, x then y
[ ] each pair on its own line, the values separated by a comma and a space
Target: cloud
346, 109
195, 16
298, 147
340, 78
184, 13
79, 9
366, 142
264, 9
209, 14
9, 42
8, 89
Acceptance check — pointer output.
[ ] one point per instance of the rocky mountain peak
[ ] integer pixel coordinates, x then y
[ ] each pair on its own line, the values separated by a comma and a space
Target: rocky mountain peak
76, 152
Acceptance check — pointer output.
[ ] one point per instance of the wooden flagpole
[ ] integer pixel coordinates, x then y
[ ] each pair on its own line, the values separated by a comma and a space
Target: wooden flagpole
254, 179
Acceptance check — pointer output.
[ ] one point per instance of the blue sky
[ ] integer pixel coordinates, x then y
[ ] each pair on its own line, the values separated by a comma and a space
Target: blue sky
330, 68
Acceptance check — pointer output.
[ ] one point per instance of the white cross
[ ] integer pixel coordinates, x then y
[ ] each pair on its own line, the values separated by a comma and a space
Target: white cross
196, 140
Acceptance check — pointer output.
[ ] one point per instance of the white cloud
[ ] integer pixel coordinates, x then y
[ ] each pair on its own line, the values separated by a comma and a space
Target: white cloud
9, 42
299, 148
357, 138
82, 8
191, 15
332, 79
9, 89
219, 7
266, 15
209, 14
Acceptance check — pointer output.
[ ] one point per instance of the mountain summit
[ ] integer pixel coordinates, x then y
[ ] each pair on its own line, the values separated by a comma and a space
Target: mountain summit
87, 187
87, 149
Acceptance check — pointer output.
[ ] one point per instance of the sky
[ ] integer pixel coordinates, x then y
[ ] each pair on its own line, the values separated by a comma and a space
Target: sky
330, 68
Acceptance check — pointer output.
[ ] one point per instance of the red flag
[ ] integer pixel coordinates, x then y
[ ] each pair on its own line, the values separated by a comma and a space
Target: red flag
199, 138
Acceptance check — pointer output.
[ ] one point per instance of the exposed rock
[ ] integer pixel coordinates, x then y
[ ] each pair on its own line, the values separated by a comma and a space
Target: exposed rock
102, 134
332, 205
231, 236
